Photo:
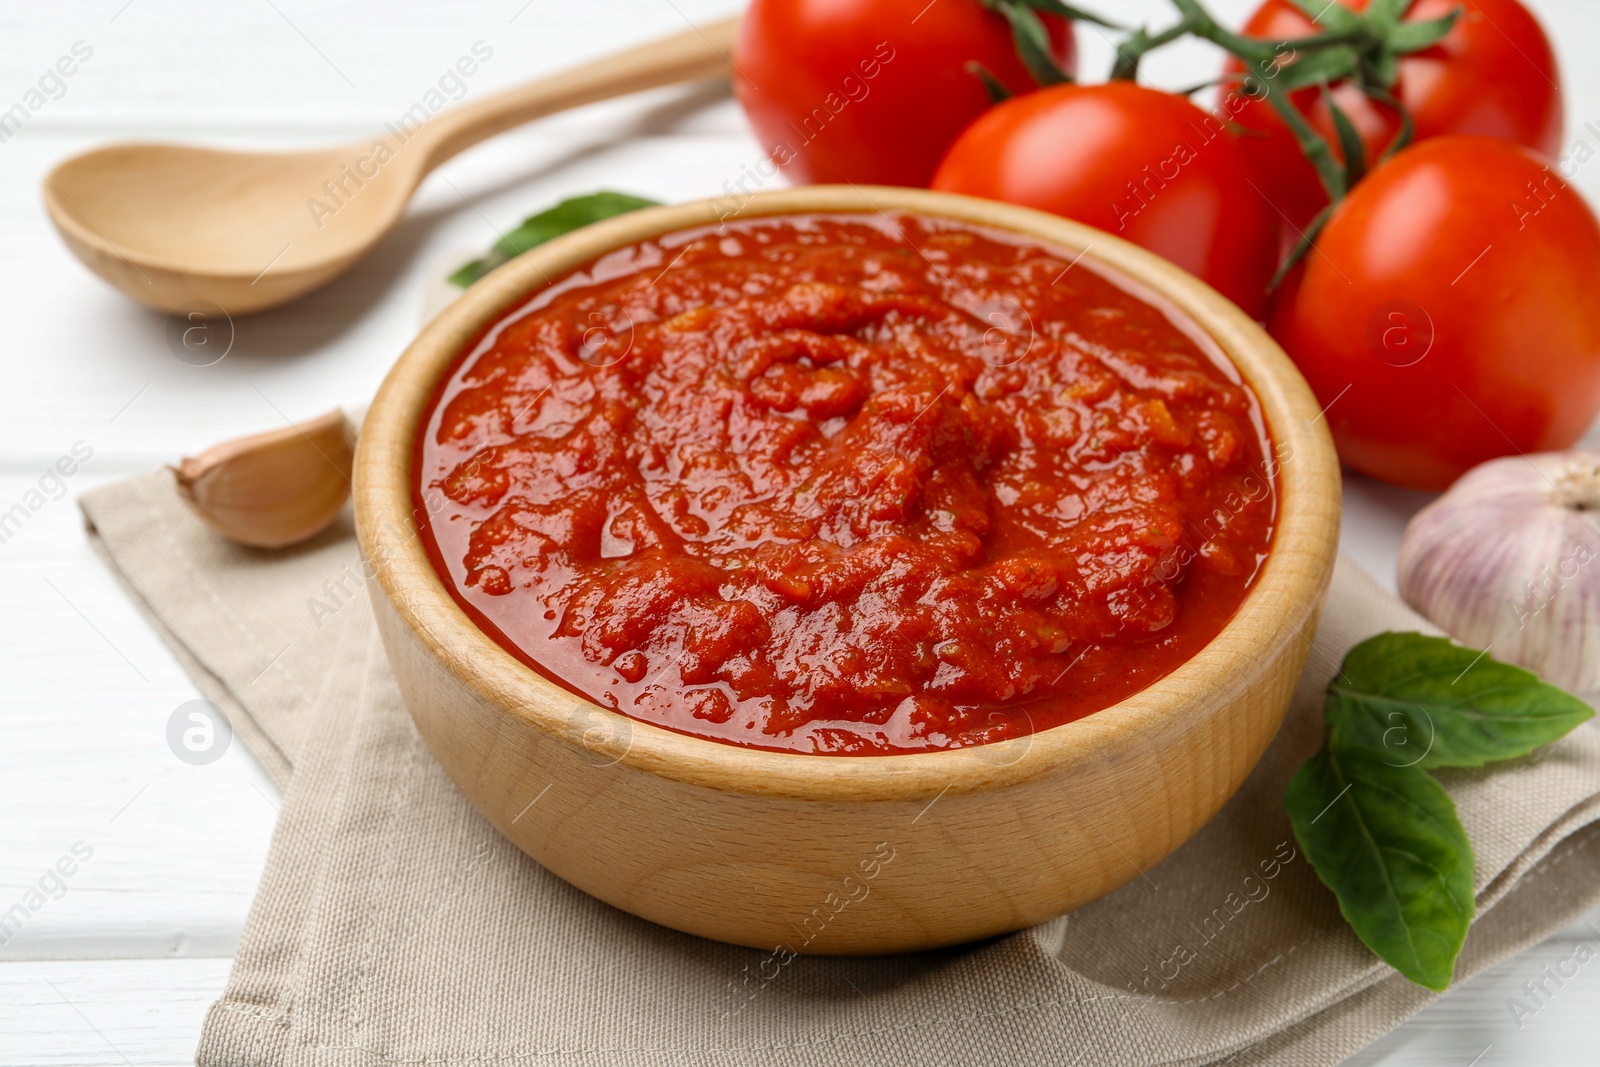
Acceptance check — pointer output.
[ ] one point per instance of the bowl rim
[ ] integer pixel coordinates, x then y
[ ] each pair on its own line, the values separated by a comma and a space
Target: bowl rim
1275, 611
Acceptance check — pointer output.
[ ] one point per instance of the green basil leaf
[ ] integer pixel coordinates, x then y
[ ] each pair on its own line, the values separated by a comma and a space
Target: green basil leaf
1387, 841
1428, 702
569, 215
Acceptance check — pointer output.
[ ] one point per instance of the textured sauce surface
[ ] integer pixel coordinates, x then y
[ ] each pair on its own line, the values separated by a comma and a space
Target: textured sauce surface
845, 484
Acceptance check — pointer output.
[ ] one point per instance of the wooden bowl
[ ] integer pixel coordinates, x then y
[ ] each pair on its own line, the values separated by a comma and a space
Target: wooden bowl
846, 854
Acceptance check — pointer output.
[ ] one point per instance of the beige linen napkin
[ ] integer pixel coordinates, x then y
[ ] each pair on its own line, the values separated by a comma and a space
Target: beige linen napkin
395, 926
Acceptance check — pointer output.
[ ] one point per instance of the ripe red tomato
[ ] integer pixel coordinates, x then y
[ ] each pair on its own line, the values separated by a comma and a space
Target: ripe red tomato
873, 91
1447, 313
1145, 165
1493, 74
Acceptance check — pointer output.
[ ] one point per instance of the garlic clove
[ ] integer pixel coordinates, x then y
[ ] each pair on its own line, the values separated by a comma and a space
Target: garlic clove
1509, 560
276, 488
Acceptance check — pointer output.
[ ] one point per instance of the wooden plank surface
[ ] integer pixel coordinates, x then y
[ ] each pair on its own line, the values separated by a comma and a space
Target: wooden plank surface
85, 1013
121, 966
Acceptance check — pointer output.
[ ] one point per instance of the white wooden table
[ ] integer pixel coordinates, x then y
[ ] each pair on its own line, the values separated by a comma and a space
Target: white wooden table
121, 966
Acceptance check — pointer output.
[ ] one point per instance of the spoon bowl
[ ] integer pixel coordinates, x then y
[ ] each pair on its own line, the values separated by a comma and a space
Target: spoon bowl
173, 225
209, 232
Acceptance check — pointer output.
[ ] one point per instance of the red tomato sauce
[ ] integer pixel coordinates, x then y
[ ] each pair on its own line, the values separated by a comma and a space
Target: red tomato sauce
846, 484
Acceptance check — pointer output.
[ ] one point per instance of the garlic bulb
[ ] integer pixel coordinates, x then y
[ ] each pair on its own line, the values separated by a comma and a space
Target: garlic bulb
276, 488
1509, 560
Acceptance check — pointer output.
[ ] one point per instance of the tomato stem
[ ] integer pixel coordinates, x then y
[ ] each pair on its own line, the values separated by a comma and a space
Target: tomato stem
1032, 40
1363, 48
1407, 128
1256, 54
1308, 236
1262, 59
998, 93
1133, 49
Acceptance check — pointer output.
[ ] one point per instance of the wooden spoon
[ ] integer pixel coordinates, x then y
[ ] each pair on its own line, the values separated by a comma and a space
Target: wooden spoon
172, 225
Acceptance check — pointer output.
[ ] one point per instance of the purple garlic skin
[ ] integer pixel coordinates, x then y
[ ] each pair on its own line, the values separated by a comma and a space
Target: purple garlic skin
1509, 560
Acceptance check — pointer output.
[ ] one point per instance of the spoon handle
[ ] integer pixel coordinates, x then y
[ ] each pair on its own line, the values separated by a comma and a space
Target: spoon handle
699, 53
